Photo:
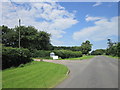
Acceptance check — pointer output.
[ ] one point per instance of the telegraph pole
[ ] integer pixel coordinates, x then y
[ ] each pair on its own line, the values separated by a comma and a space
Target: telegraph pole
19, 31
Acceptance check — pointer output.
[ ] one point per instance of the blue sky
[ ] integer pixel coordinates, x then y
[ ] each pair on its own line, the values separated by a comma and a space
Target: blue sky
106, 9
70, 23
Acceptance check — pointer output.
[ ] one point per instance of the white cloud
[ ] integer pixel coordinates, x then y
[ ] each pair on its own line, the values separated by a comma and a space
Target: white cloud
90, 18
102, 29
50, 17
61, 0
57, 42
97, 4
0, 13
30, 0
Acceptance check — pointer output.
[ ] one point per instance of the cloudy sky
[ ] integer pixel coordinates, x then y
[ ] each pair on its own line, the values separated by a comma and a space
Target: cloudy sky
70, 23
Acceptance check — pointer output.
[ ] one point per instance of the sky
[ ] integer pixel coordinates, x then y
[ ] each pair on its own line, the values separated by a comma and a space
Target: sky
69, 23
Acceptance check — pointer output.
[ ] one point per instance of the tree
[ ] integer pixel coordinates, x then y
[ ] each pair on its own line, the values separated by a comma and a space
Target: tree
110, 44
98, 52
86, 47
43, 41
8, 36
113, 48
118, 48
30, 38
73, 48
27, 36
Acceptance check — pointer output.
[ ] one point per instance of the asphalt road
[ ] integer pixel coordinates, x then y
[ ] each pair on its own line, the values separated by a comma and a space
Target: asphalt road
99, 72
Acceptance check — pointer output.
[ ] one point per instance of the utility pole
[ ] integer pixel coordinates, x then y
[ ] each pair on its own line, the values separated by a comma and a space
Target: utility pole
19, 31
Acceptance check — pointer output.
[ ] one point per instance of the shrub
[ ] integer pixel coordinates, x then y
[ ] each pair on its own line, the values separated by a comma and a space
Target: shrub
41, 53
98, 52
12, 57
68, 53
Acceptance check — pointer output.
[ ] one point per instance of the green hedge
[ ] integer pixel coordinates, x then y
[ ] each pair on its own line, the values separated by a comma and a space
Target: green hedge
68, 53
12, 57
40, 53
61, 53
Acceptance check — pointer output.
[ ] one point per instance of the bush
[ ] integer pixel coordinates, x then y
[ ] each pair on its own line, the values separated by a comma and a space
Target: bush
40, 53
13, 57
98, 52
68, 53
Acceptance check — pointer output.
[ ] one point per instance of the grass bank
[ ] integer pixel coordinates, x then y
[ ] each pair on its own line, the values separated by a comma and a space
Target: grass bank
80, 58
112, 56
34, 75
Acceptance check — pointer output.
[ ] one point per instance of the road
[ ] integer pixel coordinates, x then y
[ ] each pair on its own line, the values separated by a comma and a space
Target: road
98, 72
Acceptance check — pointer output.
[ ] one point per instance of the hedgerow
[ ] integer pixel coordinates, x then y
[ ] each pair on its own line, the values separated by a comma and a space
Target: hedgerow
40, 53
13, 57
68, 53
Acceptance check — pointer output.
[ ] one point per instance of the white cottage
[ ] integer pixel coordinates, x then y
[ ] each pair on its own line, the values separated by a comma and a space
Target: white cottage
52, 54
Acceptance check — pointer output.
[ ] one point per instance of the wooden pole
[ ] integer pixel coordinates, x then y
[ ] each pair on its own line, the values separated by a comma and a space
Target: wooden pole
19, 31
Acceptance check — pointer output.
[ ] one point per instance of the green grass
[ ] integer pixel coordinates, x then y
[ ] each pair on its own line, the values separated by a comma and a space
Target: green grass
80, 58
1, 79
112, 56
34, 75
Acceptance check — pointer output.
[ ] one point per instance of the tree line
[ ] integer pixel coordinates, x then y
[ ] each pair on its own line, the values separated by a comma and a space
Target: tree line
85, 47
113, 49
31, 38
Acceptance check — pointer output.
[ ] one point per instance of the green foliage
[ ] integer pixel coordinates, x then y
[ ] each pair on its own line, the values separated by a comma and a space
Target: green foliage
113, 50
118, 49
110, 43
67, 53
43, 41
30, 37
71, 52
40, 54
86, 47
27, 36
74, 48
8, 36
115, 57
12, 57
98, 52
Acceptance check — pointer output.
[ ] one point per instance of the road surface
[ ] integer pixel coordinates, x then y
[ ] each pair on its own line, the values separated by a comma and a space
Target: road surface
98, 72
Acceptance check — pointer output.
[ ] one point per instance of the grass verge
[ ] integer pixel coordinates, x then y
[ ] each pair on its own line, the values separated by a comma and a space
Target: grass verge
34, 75
49, 58
112, 56
80, 58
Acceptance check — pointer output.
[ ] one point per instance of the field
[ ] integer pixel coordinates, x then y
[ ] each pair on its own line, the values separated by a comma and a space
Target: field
34, 75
